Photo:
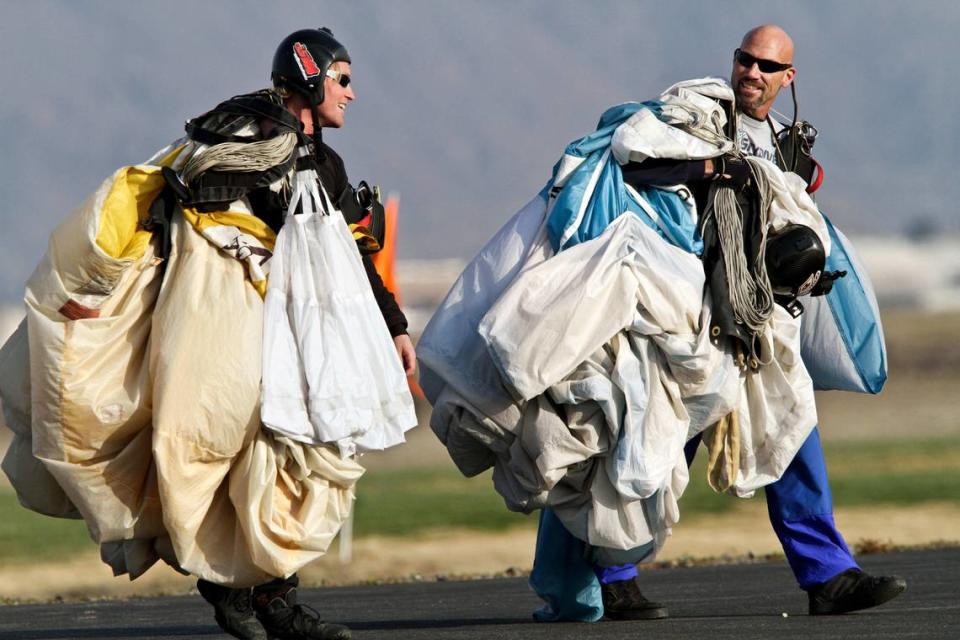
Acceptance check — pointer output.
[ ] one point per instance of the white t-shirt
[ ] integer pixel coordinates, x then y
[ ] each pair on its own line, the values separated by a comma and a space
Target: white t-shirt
755, 138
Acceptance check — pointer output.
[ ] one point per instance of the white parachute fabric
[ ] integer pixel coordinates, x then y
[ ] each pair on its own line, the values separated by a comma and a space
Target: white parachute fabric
791, 204
635, 381
474, 414
330, 370
579, 376
686, 107
599, 438
537, 335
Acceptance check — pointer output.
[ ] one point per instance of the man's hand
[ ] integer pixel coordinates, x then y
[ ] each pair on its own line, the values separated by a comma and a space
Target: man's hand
825, 283
731, 171
408, 357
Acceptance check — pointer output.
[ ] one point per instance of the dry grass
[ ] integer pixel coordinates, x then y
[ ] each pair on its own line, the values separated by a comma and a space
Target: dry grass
920, 401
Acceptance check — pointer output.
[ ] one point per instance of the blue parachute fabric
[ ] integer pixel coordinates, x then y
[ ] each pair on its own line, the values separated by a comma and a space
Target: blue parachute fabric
675, 224
562, 576
612, 118
599, 179
857, 360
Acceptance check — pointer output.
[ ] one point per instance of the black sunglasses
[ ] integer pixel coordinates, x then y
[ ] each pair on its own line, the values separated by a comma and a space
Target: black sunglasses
341, 78
766, 66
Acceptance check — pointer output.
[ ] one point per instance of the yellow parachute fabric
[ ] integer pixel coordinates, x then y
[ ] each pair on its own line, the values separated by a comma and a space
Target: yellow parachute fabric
241, 235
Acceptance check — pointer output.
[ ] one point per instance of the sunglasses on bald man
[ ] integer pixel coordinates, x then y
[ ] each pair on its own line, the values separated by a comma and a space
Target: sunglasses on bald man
341, 78
746, 60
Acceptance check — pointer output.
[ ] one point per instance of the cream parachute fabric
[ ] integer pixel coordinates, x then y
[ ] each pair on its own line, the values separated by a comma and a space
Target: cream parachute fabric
135, 400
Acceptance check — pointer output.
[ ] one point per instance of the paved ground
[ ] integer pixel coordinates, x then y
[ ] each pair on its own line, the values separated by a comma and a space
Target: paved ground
736, 602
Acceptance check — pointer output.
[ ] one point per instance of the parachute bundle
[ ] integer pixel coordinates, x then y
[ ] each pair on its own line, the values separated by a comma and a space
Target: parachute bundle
133, 386
578, 351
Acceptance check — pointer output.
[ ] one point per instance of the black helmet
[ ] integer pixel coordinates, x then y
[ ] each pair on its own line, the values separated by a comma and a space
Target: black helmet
795, 261
303, 58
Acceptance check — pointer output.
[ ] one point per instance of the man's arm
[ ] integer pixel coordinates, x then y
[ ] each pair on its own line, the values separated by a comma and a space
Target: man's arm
393, 316
659, 172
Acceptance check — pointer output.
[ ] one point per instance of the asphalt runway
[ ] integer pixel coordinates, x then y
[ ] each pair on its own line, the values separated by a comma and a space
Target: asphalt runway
717, 602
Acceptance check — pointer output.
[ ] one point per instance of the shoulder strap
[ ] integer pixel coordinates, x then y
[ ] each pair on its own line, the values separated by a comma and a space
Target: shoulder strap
256, 105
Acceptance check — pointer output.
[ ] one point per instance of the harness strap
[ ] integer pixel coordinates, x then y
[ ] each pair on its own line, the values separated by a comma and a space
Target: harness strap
217, 187
818, 180
245, 106
162, 209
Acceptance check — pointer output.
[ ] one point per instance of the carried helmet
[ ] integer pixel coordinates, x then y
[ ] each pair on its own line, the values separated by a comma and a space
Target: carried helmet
795, 261
303, 59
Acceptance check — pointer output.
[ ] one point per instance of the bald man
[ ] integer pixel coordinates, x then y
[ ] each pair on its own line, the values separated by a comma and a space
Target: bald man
770, 47
799, 504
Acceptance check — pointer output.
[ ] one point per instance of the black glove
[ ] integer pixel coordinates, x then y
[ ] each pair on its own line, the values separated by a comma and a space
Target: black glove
731, 171
825, 283
361, 205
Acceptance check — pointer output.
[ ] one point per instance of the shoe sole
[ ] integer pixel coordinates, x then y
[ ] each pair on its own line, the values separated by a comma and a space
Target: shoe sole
643, 614
888, 593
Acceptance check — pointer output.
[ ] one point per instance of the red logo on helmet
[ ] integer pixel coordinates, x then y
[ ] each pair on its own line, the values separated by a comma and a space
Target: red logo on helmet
308, 66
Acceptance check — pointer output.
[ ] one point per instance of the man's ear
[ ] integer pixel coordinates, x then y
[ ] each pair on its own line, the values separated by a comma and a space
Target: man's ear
788, 77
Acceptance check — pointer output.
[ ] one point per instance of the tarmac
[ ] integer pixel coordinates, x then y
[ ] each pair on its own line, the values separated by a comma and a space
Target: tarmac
755, 600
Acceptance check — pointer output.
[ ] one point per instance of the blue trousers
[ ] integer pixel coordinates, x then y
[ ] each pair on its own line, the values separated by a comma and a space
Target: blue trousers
801, 512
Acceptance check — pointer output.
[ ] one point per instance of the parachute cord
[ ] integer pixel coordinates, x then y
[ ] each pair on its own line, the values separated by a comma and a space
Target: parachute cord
751, 295
699, 128
241, 156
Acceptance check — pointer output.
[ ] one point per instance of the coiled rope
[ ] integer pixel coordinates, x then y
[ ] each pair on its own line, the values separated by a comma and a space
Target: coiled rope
751, 294
241, 156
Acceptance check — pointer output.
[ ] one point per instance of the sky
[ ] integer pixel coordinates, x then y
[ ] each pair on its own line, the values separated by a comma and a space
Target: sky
463, 106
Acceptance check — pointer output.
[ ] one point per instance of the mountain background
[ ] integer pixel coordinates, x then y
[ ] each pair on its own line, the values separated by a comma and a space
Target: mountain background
463, 106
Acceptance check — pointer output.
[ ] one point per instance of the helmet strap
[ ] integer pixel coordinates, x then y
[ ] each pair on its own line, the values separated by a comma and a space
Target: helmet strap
317, 135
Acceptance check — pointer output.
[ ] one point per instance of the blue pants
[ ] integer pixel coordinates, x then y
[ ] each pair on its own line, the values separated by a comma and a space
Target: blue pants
801, 512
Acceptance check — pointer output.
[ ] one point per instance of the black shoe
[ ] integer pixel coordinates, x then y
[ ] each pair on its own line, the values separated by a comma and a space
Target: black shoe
853, 590
232, 610
284, 619
622, 600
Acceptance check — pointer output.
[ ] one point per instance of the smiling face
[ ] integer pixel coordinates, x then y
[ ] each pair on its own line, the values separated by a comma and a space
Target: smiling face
755, 90
333, 108
335, 98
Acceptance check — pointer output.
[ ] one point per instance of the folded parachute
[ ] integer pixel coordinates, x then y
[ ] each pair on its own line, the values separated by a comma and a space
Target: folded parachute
133, 391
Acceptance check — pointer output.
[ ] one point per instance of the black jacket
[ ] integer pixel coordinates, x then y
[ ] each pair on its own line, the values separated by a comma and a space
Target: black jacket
271, 207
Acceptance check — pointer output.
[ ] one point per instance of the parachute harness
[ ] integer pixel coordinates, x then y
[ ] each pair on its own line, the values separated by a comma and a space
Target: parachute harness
750, 290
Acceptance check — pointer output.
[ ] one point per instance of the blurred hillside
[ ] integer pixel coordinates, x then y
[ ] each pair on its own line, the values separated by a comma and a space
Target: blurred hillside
463, 107
914, 275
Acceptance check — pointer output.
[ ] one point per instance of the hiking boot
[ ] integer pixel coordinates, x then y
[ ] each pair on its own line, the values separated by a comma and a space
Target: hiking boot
622, 600
853, 590
284, 619
232, 610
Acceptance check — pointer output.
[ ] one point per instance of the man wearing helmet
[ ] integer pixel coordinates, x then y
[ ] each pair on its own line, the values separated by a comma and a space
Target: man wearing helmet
799, 503
311, 73
312, 81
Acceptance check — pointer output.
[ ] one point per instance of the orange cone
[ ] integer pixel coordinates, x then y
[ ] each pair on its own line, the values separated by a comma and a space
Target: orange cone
385, 259
385, 263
